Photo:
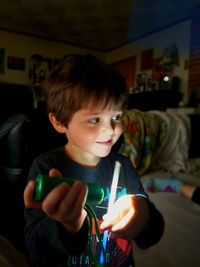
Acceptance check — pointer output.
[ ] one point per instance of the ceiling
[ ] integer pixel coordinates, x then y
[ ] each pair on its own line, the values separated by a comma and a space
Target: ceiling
101, 25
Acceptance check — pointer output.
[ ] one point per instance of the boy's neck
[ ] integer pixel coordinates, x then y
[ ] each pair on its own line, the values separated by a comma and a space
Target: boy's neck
80, 156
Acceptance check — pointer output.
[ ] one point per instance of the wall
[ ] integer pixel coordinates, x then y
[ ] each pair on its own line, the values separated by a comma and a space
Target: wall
194, 63
178, 34
25, 46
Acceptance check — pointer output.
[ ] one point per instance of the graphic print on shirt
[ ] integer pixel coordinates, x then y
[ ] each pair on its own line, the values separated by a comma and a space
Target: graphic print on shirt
117, 250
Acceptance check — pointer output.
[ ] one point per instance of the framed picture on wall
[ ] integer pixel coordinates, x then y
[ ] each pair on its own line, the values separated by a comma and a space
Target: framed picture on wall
147, 60
15, 63
127, 68
158, 72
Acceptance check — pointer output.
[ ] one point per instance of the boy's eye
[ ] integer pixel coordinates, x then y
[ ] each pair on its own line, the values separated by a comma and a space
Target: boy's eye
117, 118
94, 120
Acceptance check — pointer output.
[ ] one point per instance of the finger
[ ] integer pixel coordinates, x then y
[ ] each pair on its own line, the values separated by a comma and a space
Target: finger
55, 196
111, 218
72, 206
29, 196
124, 222
54, 172
107, 223
75, 192
119, 210
79, 203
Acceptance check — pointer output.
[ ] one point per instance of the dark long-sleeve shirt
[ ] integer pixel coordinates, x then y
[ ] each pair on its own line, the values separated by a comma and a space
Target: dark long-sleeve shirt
46, 241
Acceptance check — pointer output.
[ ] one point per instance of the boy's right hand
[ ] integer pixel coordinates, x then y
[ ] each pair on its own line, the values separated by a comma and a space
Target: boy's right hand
64, 203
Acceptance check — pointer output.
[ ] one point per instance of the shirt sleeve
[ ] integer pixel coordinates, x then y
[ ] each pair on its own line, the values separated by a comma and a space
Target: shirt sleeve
133, 182
154, 229
45, 239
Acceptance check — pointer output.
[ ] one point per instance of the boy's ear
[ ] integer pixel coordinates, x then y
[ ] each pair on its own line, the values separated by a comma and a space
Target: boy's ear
59, 127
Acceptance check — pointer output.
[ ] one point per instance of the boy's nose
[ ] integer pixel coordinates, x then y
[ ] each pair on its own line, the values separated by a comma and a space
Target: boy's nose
108, 128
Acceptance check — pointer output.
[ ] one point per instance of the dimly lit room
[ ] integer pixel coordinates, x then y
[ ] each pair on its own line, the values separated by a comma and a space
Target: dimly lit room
154, 47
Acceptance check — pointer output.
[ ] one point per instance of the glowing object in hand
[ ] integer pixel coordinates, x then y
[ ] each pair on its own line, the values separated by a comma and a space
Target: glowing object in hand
113, 193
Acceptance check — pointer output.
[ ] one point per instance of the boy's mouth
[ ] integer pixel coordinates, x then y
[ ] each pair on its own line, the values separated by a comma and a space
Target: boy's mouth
108, 142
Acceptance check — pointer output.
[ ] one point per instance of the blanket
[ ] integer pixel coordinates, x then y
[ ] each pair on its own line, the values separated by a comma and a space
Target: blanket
143, 133
158, 140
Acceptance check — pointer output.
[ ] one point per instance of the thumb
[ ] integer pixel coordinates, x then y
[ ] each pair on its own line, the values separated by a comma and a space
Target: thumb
54, 172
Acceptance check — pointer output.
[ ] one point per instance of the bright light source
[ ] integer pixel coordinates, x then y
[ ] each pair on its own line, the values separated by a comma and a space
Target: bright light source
113, 193
166, 78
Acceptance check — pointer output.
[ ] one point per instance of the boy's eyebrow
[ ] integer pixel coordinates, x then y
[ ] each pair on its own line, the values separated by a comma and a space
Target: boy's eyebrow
91, 113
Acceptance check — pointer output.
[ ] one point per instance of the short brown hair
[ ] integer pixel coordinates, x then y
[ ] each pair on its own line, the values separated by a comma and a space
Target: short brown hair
80, 80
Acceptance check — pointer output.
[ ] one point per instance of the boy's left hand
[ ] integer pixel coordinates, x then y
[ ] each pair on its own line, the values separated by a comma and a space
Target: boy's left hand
127, 218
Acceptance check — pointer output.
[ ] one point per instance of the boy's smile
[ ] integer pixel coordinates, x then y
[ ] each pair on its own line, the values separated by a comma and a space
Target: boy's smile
91, 134
106, 143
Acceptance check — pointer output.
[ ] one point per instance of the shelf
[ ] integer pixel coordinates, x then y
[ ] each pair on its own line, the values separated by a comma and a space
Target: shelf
154, 100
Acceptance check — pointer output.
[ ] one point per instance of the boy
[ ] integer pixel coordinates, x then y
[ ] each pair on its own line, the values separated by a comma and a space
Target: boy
85, 99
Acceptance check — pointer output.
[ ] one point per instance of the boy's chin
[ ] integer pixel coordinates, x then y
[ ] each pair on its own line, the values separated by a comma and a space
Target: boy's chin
103, 154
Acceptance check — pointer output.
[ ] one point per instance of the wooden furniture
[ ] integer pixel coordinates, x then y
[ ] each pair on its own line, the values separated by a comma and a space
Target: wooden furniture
154, 100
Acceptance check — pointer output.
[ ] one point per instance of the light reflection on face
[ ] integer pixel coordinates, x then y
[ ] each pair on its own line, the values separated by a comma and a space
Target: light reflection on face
93, 131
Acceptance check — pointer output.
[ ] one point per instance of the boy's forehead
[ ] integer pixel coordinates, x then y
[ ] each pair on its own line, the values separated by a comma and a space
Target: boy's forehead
100, 106
95, 107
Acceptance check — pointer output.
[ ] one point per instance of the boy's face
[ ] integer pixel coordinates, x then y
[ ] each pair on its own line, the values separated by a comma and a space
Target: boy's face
93, 132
